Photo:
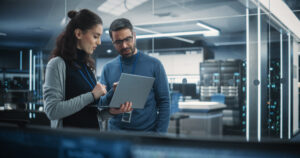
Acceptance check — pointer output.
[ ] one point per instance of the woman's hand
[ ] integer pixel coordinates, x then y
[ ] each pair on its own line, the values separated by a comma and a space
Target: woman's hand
98, 91
126, 107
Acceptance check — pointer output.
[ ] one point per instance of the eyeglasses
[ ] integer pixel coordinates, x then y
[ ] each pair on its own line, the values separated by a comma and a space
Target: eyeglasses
126, 40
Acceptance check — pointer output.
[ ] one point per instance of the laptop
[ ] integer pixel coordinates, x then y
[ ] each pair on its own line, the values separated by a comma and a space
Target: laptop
133, 88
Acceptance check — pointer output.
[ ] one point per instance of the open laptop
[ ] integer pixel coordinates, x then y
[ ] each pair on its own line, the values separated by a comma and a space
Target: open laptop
133, 88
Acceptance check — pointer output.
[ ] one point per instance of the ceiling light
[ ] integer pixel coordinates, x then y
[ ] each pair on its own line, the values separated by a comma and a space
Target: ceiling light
3, 34
154, 32
212, 31
173, 34
205, 26
208, 32
118, 7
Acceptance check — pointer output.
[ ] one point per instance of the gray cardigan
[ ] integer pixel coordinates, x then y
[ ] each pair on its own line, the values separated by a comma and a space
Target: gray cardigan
56, 107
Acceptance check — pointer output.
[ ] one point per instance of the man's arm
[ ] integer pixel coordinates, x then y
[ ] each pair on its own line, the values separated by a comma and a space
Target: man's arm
105, 100
162, 96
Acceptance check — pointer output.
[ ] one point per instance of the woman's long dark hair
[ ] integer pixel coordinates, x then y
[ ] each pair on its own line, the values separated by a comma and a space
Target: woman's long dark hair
66, 42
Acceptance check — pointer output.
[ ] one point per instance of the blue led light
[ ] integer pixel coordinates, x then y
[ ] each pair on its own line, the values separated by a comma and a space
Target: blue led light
273, 85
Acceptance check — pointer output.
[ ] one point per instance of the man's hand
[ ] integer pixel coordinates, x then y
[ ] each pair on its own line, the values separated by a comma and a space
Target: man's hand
126, 107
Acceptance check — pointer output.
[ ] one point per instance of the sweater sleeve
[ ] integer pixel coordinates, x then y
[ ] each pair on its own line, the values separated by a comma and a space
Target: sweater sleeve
56, 107
162, 98
105, 100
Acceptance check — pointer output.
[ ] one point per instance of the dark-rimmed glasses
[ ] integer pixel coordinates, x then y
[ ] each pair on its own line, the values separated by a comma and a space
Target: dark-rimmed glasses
126, 40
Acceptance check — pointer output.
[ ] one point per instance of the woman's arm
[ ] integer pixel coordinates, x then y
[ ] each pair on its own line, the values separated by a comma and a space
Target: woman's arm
56, 107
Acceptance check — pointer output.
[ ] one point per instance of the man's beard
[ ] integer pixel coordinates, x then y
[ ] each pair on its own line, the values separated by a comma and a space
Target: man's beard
131, 49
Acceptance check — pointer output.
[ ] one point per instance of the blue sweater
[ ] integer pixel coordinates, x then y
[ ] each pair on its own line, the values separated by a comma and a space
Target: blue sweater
155, 116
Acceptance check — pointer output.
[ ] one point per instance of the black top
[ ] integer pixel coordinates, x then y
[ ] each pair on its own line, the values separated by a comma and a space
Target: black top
78, 82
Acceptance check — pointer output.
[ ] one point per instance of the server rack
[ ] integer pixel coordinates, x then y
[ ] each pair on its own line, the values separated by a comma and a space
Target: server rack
224, 78
273, 99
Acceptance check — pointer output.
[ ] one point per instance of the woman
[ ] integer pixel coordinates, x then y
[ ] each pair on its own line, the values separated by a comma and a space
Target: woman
71, 92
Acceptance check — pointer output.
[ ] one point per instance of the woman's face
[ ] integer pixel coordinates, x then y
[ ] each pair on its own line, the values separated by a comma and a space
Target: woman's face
89, 40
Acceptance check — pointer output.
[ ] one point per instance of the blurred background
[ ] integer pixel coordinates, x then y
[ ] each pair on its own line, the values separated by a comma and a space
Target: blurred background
232, 65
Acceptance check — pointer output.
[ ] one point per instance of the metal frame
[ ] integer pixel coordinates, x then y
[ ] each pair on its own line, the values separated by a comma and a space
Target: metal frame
257, 57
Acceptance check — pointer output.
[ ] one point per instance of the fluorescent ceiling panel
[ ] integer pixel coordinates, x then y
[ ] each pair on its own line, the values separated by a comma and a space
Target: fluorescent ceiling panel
173, 34
3, 34
118, 7
154, 32
207, 32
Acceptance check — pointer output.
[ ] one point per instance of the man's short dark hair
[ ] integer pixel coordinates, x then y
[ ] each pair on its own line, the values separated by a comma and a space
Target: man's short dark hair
119, 24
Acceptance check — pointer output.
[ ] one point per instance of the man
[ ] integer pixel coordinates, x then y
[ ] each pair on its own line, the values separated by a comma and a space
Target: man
155, 116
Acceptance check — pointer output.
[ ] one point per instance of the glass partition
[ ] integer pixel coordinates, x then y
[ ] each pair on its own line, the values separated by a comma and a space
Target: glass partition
277, 99
205, 63
231, 53
230, 64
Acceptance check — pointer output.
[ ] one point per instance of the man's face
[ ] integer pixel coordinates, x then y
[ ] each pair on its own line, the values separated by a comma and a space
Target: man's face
124, 42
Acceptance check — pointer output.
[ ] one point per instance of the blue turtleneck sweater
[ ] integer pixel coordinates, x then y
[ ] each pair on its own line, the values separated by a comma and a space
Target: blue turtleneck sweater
155, 116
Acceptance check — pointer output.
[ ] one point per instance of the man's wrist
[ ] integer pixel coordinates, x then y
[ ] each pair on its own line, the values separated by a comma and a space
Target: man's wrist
111, 113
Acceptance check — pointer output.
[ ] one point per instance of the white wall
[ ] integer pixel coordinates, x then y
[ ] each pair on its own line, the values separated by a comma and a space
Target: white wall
179, 66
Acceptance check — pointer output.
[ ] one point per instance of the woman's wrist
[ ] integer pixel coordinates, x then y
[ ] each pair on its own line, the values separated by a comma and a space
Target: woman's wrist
94, 96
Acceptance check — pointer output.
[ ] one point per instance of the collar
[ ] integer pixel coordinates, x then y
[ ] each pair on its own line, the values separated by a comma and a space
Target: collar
81, 55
